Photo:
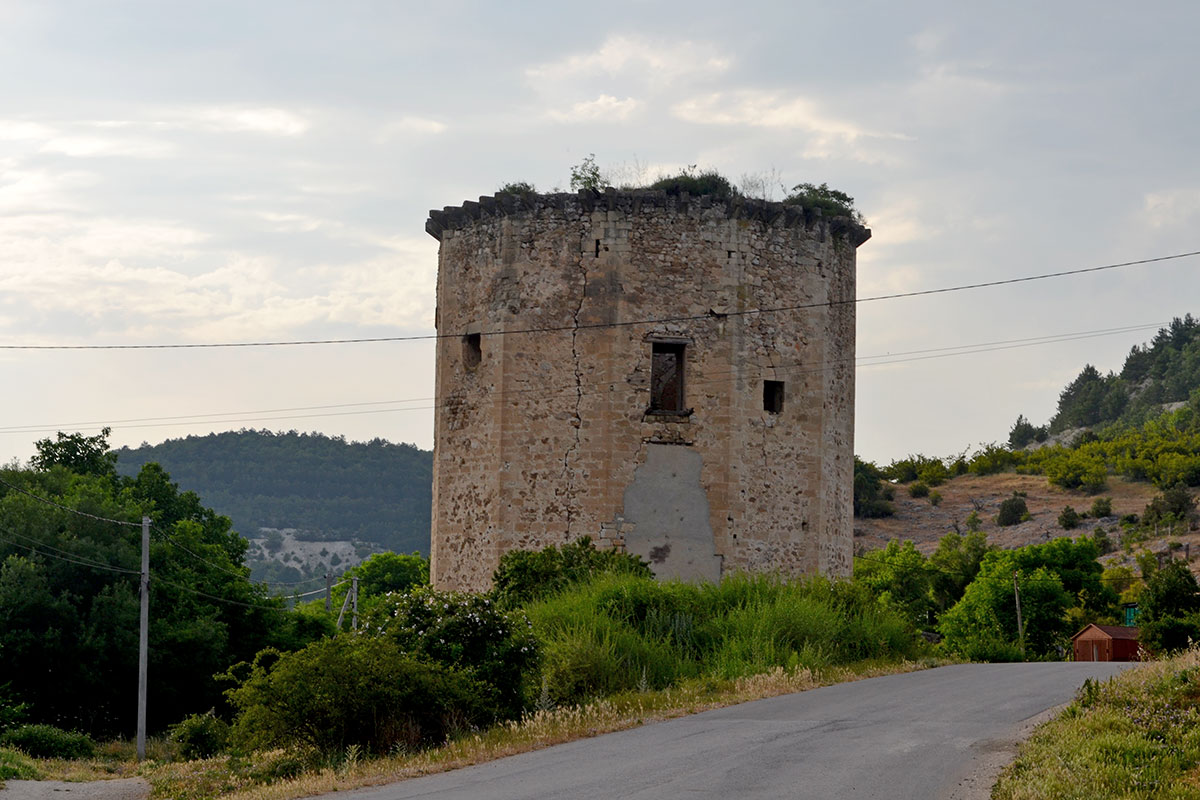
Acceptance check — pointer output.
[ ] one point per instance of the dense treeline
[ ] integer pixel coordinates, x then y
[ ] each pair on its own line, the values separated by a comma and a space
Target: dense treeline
372, 491
69, 604
1167, 370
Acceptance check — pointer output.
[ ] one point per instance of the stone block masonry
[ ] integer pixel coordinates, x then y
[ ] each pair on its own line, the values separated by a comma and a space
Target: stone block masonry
613, 365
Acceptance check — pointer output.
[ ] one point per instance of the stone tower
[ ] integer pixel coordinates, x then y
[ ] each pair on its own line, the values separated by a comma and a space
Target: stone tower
667, 374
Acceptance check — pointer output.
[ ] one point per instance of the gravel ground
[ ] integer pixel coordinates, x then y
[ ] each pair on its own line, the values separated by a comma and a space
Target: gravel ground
119, 789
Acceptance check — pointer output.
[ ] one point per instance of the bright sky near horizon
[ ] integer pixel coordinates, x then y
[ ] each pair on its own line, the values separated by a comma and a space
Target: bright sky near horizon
228, 171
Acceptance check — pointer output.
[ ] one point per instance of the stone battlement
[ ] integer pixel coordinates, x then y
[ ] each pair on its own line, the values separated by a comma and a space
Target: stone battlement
633, 201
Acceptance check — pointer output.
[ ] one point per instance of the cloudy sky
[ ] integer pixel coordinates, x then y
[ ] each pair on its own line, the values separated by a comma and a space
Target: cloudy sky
229, 172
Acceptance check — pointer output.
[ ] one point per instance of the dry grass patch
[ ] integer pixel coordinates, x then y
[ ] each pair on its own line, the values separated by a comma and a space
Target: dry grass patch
1134, 737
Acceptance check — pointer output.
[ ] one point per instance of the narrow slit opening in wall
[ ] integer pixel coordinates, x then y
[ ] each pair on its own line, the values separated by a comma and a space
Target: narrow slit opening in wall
472, 350
773, 396
597, 248
666, 377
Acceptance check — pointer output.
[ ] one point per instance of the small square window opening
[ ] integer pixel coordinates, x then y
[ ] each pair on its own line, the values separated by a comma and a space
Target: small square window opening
773, 396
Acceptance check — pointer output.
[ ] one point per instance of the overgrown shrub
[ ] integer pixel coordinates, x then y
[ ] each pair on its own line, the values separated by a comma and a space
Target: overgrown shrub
706, 182
1174, 505
467, 632
12, 710
831, 202
47, 741
518, 188
918, 489
1013, 511
353, 689
525, 575
935, 498
1101, 507
16, 766
1068, 518
200, 735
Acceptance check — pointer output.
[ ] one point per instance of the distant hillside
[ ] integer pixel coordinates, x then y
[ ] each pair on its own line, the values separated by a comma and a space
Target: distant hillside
1165, 371
328, 488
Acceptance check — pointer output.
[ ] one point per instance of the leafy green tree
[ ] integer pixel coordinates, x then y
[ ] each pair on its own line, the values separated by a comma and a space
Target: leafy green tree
870, 493
1068, 518
983, 624
586, 174
899, 577
69, 603
955, 564
83, 455
1023, 432
1170, 608
1013, 511
1174, 505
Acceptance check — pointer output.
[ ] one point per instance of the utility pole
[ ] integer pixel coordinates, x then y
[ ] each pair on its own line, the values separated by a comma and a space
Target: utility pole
143, 640
1020, 624
328, 592
342, 613
354, 592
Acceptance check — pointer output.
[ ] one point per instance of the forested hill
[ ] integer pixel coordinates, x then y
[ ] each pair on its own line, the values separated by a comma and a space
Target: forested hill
1167, 370
372, 491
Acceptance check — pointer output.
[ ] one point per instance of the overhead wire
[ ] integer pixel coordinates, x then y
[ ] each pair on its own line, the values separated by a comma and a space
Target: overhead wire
620, 324
154, 526
40, 549
76, 511
883, 359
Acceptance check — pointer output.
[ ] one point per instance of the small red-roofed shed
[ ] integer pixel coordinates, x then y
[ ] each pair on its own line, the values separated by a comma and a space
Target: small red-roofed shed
1106, 643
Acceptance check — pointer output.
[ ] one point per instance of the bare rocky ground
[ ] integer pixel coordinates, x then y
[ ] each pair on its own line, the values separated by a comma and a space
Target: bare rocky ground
916, 519
117, 789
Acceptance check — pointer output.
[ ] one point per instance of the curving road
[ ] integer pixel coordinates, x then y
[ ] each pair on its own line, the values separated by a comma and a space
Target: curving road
939, 733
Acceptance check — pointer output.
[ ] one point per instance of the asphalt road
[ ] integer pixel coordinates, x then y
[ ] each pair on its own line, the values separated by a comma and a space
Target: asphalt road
921, 735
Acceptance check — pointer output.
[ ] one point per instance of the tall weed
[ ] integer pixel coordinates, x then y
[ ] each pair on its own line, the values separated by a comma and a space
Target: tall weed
619, 632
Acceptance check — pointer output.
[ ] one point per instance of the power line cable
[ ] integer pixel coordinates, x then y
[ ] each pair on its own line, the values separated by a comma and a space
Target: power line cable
214, 597
713, 377
66, 553
172, 540
75, 511
38, 550
602, 325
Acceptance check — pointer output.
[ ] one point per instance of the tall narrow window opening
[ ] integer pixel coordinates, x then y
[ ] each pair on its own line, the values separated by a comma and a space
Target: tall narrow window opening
773, 396
666, 377
472, 350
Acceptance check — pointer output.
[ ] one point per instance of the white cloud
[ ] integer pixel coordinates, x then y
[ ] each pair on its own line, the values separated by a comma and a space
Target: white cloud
603, 108
240, 119
1171, 208
769, 110
829, 136
410, 125
18, 129
660, 61
35, 191
100, 147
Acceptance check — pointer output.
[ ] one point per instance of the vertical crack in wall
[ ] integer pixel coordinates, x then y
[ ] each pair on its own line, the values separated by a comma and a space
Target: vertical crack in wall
577, 420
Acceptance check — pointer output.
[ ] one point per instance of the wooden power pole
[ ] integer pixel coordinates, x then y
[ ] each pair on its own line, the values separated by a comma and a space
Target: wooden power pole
1020, 624
143, 640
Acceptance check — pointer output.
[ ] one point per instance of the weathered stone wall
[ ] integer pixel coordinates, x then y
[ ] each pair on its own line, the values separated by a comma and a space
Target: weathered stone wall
547, 438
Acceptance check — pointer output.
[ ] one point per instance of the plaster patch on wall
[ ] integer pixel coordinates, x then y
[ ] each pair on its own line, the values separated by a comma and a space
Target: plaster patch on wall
669, 509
